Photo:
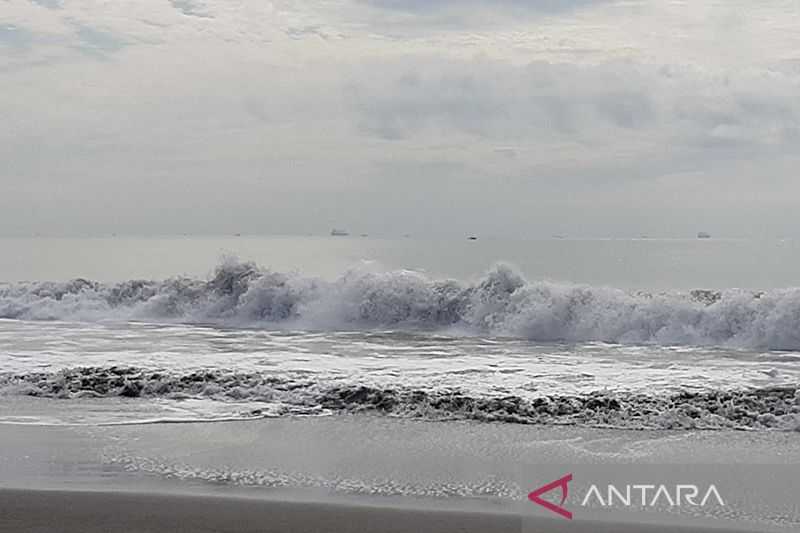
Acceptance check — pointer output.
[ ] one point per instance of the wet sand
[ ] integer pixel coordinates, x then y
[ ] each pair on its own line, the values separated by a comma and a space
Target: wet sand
364, 473
40, 511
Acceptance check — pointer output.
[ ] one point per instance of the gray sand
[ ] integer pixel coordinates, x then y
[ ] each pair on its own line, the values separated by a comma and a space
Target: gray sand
361, 473
25, 511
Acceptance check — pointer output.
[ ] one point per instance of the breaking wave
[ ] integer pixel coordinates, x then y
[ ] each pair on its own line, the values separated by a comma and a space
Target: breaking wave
773, 408
501, 303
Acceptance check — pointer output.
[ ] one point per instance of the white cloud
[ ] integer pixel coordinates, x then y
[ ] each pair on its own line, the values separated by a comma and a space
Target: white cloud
552, 107
192, 8
49, 4
603, 105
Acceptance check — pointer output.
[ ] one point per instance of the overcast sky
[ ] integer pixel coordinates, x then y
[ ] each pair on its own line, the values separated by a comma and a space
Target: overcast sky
497, 117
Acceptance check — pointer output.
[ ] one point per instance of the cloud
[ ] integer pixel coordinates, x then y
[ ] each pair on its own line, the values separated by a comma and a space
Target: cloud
408, 112
15, 37
49, 4
427, 6
98, 42
191, 8
550, 102
99, 39
504, 102
410, 17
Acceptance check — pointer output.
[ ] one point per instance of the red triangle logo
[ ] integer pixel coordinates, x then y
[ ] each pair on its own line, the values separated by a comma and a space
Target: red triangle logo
535, 496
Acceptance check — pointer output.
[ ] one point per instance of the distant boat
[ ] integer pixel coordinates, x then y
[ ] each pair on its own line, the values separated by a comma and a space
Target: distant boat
703, 235
472, 238
339, 233
364, 235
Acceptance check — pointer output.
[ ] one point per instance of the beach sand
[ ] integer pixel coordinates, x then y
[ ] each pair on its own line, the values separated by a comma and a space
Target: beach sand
362, 473
40, 511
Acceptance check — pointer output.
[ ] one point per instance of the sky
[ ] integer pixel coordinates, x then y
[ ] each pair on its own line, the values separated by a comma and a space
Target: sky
517, 118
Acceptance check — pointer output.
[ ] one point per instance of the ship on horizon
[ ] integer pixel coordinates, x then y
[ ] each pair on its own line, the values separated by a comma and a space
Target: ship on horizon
339, 233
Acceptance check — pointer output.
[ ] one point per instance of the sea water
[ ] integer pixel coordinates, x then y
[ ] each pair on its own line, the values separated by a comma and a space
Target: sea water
644, 334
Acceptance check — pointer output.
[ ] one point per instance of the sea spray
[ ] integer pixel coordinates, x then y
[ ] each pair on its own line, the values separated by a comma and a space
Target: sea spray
501, 303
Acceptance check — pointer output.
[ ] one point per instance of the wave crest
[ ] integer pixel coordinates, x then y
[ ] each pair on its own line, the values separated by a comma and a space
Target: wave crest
501, 303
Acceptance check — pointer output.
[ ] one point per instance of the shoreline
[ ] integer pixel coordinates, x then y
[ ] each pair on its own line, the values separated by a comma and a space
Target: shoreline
378, 473
80, 511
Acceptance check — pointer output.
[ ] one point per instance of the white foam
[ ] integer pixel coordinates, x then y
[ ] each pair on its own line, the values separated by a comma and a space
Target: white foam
500, 303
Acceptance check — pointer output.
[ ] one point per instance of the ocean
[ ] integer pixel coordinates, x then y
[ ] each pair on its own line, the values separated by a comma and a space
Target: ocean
621, 334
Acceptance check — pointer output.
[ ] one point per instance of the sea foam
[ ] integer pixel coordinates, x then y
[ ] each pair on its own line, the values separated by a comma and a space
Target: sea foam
766, 408
500, 303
